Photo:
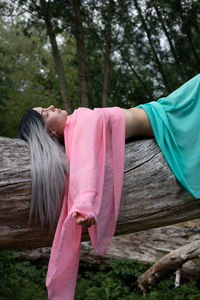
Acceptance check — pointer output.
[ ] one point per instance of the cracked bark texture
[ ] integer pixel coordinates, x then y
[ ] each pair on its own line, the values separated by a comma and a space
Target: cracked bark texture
151, 196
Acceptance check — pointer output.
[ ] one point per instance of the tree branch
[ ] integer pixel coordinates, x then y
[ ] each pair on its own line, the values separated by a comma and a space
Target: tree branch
168, 264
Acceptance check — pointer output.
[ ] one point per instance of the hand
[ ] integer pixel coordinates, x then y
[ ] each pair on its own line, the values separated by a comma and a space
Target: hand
86, 222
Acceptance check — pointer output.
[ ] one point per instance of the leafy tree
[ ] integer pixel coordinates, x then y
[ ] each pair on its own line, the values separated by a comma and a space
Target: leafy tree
28, 76
153, 47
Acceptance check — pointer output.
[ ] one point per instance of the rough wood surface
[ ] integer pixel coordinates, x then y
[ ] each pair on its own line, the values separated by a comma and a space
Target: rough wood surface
150, 245
146, 246
168, 264
151, 195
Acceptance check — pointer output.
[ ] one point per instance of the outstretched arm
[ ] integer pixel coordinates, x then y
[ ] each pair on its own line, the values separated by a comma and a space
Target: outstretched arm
137, 123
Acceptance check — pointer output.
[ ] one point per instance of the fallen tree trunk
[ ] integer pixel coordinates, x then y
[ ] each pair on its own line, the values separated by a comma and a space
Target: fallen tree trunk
151, 195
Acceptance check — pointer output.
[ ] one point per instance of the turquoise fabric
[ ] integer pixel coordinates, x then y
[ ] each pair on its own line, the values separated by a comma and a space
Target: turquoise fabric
175, 121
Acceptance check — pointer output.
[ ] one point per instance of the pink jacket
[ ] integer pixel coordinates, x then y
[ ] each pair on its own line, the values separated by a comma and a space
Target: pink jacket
95, 142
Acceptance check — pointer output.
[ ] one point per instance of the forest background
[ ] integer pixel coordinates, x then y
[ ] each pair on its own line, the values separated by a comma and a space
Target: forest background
95, 54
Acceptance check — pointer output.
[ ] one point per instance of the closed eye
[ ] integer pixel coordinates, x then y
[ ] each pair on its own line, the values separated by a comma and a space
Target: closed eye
44, 113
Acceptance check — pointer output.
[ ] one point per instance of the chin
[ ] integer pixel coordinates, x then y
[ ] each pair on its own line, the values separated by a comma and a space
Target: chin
64, 116
64, 113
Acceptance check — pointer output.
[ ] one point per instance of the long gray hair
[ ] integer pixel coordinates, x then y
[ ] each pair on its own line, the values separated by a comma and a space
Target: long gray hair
49, 168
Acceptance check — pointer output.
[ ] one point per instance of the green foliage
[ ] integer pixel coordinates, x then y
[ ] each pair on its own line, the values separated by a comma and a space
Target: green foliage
111, 281
20, 280
115, 280
28, 76
25, 79
155, 47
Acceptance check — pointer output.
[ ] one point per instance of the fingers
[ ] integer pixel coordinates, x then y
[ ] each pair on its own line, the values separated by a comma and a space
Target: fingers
90, 221
79, 219
87, 222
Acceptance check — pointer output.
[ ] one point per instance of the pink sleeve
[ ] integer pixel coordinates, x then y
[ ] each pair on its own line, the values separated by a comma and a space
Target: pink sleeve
87, 151
94, 142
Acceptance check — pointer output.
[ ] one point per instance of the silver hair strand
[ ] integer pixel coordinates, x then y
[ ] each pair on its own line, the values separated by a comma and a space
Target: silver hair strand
49, 169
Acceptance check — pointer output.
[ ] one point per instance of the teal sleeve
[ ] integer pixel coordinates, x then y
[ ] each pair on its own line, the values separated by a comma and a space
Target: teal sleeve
175, 121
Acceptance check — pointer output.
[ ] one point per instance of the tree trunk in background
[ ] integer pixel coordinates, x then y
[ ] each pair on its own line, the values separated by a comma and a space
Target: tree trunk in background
151, 195
56, 55
159, 64
187, 31
146, 246
79, 35
151, 98
108, 34
173, 51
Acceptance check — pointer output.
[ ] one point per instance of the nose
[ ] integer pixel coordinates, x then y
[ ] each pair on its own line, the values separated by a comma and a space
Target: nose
51, 107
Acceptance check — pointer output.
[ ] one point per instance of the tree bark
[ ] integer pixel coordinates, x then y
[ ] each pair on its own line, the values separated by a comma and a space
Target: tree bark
136, 74
159, 64
146, 246
108, 34
150, 245
160, 18
151, 195
82, 69
168, 264
186, 29
56, 55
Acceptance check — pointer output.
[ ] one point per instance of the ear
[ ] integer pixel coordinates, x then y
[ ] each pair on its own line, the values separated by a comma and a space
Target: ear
53, 133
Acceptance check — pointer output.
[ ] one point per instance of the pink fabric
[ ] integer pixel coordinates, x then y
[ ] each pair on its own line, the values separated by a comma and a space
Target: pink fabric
95, 141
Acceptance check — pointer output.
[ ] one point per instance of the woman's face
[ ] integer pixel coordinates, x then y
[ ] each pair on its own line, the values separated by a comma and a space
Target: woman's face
54, 118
